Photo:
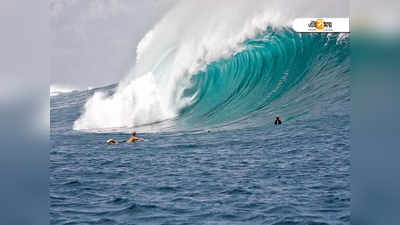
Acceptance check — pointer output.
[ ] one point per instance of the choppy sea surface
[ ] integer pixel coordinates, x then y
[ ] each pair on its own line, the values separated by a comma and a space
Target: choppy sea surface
221, 160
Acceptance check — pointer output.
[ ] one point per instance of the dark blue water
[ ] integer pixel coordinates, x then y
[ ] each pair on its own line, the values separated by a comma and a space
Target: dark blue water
233, 167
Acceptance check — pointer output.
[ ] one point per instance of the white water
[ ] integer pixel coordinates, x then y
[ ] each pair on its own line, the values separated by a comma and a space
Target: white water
192, 35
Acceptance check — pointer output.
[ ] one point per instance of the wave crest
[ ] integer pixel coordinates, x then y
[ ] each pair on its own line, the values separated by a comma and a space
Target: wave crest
178, 53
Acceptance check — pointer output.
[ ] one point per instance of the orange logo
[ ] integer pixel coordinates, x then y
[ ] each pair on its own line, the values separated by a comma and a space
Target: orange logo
320, 24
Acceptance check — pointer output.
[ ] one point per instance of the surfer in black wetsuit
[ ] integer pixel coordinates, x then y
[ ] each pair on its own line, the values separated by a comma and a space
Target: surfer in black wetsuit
278, 121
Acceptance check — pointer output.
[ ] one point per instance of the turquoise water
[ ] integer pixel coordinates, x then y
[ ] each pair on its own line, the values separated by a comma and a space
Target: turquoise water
280, 72
221, 160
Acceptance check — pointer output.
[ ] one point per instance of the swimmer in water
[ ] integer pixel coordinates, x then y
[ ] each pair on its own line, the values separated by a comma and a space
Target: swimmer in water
133, 138
278, 120
112, 141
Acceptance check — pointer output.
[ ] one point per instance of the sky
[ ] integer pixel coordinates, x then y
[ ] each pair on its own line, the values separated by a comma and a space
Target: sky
93, 42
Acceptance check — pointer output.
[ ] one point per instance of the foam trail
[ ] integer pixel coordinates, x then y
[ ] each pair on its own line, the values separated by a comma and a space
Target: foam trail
190, 37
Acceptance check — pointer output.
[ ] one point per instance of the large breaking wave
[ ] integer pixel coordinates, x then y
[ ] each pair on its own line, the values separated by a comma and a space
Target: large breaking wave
207, 65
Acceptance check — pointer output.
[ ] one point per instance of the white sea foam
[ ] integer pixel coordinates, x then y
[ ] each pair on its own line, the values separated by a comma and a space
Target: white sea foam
192, 35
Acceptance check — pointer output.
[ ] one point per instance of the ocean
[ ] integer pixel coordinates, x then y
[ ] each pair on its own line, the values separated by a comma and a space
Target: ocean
212, 154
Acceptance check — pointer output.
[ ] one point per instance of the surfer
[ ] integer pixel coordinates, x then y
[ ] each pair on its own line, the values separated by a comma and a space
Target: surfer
112, 141
278, 120
133, 138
